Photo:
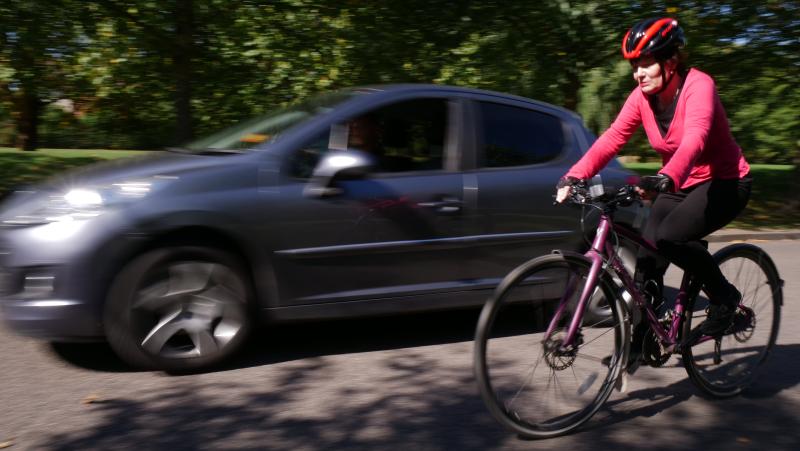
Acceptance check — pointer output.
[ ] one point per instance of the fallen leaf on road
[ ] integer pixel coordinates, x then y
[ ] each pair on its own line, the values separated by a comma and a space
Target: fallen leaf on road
6, 444
742, 439
92, 399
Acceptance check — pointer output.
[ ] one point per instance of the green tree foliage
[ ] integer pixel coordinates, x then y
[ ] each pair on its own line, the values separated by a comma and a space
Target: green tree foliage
38, 42
146, 73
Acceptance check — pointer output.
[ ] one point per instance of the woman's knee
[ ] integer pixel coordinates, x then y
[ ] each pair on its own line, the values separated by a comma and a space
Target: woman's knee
671, 234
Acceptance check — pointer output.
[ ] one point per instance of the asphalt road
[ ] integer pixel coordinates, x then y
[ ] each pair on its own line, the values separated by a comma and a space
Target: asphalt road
396, 383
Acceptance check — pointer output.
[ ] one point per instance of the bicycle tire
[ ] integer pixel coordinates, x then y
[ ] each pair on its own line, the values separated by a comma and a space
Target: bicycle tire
514, 315
756, 326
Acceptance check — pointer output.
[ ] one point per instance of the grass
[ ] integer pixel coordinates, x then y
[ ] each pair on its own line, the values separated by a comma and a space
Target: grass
99, 154
773, 202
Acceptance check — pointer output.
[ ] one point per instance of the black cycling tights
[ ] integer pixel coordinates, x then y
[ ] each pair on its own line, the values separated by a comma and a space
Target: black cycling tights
678, 220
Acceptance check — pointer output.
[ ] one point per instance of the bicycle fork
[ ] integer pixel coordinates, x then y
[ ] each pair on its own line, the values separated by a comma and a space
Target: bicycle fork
571, 339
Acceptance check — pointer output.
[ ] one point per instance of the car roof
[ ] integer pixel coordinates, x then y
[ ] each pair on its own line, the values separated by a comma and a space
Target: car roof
447, 89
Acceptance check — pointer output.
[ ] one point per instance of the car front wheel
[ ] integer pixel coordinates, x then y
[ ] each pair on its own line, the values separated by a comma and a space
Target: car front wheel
178, 309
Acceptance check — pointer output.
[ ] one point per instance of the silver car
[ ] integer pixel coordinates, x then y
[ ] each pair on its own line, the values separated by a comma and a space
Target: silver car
364, 201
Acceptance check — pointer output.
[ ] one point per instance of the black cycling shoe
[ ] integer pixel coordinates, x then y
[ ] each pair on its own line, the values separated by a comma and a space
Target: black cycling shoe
634, 354
720, 319
634, 361
720, 316
691, 339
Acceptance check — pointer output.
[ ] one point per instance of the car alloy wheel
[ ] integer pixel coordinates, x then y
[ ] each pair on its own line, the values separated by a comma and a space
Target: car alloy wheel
177, 309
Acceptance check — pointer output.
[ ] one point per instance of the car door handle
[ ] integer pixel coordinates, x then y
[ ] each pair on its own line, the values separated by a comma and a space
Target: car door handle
447, 205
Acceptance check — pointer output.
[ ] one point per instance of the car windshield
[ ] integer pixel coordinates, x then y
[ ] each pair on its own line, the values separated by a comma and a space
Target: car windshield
266, 128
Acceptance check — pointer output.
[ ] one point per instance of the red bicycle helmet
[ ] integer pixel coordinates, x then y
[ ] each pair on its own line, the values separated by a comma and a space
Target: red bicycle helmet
659, 37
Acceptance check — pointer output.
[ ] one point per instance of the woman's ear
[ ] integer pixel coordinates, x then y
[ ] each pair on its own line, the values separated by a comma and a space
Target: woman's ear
671, 65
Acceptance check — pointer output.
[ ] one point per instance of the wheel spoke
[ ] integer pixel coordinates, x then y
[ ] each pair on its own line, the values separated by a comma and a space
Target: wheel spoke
528, 379
204, 342
225, 331
166, 328
155, 297
591, 357
219, 295
597, 337
190, 277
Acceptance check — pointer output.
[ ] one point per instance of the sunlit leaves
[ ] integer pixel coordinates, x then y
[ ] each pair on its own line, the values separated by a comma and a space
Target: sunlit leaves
116, 59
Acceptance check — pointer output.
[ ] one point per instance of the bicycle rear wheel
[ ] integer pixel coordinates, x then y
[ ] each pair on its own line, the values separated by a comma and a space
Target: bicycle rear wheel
724, 367
529, 381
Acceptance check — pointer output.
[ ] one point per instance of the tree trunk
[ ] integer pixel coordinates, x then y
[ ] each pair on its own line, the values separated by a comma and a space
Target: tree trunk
570, 90
28, 109
182, 61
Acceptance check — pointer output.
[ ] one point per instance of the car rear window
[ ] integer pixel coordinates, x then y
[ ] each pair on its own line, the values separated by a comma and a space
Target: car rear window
517, 136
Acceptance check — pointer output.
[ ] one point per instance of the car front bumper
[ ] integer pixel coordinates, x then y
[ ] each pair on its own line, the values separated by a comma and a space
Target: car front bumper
52, 319
54, 290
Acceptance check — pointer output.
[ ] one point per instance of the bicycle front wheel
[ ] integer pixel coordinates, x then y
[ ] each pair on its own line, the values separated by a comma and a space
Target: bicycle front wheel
531, 381
723, 367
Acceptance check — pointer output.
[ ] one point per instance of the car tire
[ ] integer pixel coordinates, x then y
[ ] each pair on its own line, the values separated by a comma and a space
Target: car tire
179, 309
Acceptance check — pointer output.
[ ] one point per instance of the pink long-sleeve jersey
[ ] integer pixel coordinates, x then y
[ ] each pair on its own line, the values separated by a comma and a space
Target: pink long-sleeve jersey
697, 147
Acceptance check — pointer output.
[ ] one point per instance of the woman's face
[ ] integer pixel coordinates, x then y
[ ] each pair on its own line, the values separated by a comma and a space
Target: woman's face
647, 73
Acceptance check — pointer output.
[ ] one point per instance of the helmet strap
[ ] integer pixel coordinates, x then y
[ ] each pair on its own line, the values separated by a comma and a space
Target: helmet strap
665, 81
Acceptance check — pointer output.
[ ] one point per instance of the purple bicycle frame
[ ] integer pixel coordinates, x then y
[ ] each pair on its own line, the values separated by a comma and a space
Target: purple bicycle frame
601, 247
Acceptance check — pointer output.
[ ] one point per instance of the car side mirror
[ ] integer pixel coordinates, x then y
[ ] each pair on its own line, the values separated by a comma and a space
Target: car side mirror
337, 165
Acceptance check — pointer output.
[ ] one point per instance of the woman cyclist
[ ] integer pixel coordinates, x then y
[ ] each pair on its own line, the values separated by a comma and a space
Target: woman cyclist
704, 182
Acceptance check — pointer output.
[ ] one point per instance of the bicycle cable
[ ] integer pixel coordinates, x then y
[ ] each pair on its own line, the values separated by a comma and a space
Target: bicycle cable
614, 234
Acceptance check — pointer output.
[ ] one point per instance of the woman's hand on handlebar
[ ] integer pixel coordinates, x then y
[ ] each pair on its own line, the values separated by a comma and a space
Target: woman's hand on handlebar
564, 188
562, 194
643, 194
650, 185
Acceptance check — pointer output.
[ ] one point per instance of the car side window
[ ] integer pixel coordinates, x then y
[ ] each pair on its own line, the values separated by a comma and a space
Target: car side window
406, 136
515, 136
403, 137
305, 159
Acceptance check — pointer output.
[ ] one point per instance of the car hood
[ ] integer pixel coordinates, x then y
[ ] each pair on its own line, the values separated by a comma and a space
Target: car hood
151, 165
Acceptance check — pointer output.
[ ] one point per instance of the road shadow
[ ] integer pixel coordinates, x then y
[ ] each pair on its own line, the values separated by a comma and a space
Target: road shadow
428, 406
436, 407
295, 341
90, 356
292, 341
285, 342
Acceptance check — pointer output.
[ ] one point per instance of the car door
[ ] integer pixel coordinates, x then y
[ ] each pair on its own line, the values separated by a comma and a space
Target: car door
521, 153
397, 233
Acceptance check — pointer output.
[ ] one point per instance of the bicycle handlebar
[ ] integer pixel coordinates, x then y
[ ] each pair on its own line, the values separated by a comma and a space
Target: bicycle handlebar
580, 195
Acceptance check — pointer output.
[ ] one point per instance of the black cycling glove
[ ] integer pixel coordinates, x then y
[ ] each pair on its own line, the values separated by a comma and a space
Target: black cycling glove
568, 181
660, 183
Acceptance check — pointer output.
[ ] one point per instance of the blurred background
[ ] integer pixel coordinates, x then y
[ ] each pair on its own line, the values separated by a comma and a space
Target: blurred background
88, 80
116, 74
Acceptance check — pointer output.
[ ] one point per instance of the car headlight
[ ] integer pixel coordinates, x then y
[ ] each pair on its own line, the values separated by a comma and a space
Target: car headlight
80, 203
